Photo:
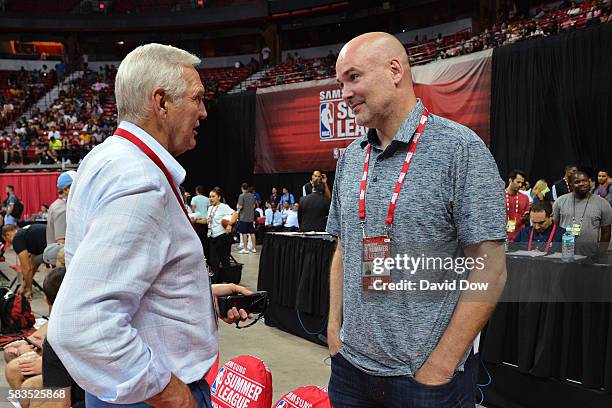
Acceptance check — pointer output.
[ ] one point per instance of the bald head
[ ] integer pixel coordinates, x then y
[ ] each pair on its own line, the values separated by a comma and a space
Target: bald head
374, 73
377, 47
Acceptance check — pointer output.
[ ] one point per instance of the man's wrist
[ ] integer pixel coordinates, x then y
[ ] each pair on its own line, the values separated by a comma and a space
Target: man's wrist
441, 368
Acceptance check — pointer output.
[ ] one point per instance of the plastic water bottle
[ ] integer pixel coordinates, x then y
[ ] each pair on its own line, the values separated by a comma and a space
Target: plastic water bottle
567, 245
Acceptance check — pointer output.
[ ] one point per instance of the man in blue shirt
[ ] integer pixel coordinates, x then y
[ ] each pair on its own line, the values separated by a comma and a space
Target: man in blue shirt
543, 235
287, 196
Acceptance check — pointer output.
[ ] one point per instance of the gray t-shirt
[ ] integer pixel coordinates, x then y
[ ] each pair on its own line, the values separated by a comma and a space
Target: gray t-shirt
569, 210
56, 221
246, 202
453, 196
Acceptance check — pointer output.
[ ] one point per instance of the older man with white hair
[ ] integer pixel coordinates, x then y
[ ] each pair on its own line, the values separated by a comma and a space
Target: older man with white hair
134, 322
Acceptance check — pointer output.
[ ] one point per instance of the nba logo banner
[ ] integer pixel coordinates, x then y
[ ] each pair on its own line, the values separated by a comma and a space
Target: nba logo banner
326, 123
336, 119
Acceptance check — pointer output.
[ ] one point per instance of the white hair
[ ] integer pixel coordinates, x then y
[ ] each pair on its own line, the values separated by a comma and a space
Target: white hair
144, 69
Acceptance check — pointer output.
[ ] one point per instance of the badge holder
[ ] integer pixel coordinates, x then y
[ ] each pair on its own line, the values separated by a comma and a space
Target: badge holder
374, 251
511, 226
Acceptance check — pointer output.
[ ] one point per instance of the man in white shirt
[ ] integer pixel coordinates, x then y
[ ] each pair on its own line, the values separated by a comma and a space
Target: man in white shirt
134, 321
292, 224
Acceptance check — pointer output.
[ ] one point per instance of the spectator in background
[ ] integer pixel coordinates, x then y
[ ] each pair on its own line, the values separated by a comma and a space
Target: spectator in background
274, 198
274, 220
285, 211
220, 218
574, 10
517, 205
42, 215
54, 374
586, 216
604, 186
287, 196
56, 225
265, 55
199, 207
292, 223
12, 207
314, 209
542, 235
315, 178
246, 211
540, 192
29, 244
200, 203
562, 186
256, 195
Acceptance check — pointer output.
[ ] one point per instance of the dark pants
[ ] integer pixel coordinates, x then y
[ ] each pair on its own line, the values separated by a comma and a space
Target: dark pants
202, 231
220, 248
351, 387
199, 389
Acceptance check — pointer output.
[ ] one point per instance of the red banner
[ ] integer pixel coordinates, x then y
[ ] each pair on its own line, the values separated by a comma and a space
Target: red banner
33, 189
306, 126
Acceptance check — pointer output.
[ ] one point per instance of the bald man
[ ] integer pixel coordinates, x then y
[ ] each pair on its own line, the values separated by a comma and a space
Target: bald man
410, 346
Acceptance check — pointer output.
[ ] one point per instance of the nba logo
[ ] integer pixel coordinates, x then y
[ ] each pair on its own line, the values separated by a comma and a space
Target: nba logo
218, 380
326, 127
280, 404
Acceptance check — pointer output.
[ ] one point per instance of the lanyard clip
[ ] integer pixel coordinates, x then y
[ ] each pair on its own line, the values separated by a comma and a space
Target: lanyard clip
362, 223
387, 230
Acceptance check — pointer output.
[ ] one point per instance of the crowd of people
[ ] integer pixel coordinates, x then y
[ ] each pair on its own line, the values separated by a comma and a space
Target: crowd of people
69, 128
579, 202
20, 89
219, 226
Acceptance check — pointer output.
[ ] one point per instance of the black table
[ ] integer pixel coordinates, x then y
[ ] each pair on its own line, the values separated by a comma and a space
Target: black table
555, 326
294, 270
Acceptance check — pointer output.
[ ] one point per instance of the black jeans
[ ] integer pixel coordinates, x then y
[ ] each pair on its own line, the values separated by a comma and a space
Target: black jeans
219, 254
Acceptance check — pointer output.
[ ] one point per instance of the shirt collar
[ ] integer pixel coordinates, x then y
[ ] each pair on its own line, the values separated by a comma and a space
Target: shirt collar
176, 170
404, 133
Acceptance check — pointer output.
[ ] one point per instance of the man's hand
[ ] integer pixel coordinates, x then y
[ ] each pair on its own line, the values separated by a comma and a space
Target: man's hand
228, 229
334, 344
324, 178
429, 374
31, 367
176, 394
227, 289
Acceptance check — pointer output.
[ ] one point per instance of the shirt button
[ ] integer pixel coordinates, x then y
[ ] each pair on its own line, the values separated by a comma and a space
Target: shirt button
375, 179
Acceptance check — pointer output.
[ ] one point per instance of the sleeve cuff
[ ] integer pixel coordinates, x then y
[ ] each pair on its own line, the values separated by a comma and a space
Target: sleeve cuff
149, 382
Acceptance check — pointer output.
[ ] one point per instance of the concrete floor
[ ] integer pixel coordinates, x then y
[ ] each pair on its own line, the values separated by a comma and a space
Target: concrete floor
294, 362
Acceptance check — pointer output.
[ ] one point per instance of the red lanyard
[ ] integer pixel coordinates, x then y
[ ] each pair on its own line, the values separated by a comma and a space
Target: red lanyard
547, 242
402, 176
516, 207
155, 159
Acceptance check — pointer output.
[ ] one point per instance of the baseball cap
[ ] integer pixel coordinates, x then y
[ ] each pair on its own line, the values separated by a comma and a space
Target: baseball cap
65, 179
50, 253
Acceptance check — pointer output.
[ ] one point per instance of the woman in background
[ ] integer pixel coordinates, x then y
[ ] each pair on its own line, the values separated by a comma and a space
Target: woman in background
221, 217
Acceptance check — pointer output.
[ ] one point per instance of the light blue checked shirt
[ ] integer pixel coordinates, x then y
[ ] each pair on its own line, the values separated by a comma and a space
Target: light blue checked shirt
135, 304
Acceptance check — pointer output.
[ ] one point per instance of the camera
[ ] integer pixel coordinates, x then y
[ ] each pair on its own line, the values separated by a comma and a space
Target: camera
255, 303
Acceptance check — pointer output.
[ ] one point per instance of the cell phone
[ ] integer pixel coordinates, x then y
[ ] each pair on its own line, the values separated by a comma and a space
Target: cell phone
255, 303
